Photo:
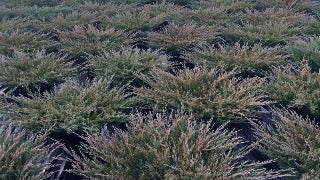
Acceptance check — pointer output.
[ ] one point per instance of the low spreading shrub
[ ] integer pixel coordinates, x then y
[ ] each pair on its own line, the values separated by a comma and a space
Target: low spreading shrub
143, 18
143, 2
67, 22
307, 23
23, 157
124, 65
164, 8
276, 15
91, 41
138, 20
289, 4
232, 6
269, 34
217, 17
168, 148
207, 93
218, 13
22, 41
32, 71
10, 25
255, 59
271, 27
15, 3
72, 106
176, 38
297, 88
103, 8
34, 11
293, 144
306, 49
177, 2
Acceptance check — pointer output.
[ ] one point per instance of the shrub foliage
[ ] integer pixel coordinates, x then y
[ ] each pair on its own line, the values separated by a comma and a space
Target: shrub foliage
271, 27
296, 87
175, 37
22, 41
306, 49
90, 40
34, 70
124, 65
208, 93
72, 106
23, 157
84, 65
293, 143
168, 148
243, 57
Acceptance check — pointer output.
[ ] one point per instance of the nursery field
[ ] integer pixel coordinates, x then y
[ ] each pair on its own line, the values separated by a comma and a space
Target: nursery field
153, 89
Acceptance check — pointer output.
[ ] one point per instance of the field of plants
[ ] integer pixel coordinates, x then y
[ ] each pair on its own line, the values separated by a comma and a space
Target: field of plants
153, 89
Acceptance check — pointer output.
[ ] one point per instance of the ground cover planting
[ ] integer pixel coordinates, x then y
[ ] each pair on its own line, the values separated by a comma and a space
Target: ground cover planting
159, 89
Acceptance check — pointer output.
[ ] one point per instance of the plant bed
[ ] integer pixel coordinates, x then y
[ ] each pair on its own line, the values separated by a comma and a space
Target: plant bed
153, 89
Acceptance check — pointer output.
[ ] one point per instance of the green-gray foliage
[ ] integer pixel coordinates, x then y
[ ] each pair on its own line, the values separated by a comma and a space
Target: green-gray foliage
306, 49
32, 71
23, 157
22, 41
296, 87
207, 93
158, 147
179, 37
36, 12
126, 64
270, 27
293, 144
72, 106
89, 40
245, 58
